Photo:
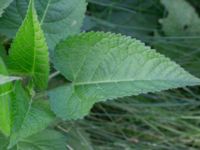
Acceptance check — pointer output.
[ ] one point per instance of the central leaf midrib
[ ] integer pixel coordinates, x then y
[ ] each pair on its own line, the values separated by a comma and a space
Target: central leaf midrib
34, 50
45, 12
128, 80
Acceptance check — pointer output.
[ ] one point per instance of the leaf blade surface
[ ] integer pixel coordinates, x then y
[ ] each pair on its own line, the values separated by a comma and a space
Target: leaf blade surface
29, 53
108, 66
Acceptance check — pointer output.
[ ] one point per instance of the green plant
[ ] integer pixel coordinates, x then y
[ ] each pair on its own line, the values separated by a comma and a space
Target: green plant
98, 66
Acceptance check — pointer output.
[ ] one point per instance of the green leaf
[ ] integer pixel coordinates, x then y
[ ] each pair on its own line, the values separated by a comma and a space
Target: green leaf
18, 115
68, 104
108, 66
20, 107
58, 18
29, 53
5, 97
27, 117
3, 5
37, 118
181, 21
44, 140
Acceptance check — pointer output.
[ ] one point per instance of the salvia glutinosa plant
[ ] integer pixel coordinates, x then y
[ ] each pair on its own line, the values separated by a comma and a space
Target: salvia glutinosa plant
97, 66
